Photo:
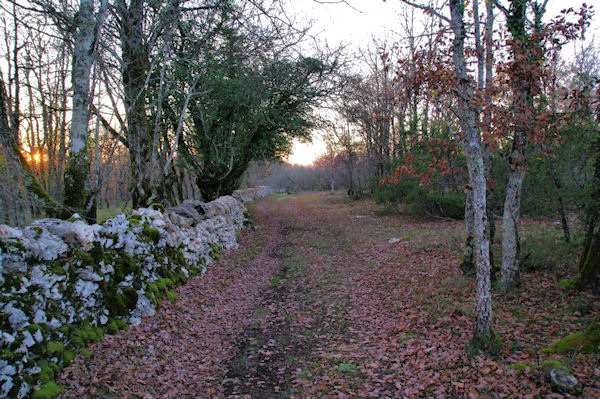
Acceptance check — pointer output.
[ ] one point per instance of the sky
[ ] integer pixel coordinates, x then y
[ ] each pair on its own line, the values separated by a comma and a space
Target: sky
355, 23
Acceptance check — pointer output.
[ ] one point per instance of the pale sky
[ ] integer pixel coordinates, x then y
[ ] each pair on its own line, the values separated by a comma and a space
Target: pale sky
354, 24
357, 23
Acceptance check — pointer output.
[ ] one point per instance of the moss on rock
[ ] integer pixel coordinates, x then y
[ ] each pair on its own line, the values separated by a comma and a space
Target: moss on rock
216, 250
48, 390
582, 341
553, 364
54, 348
157, 206
152, 233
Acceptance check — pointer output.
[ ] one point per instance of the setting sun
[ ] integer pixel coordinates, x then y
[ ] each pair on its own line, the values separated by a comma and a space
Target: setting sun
36, 157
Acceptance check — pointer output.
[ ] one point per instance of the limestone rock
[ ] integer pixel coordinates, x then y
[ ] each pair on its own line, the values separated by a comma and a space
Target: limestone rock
563, 382
78, 233
188, 212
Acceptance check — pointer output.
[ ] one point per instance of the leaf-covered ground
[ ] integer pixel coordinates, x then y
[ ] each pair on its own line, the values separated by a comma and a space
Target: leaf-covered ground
317, 303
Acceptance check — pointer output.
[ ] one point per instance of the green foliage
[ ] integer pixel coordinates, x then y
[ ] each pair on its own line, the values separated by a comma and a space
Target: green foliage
252, 104
420, 202
441, 205
535, 242
564, 173
97, 252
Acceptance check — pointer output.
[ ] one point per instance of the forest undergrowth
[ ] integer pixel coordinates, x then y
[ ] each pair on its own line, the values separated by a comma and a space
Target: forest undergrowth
317, 302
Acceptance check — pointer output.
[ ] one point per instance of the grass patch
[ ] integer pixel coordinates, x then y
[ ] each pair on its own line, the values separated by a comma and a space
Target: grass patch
104, 214
347, 368
276, 281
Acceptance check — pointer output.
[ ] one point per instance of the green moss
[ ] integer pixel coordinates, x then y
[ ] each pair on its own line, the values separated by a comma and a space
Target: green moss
13, 243
137, 217
115, 304
48, 390
54, 348
553, 364
84, 257
582, 341
172, 296
32, 328
85, 334
175, 255
123, 263
121, 324
216, 250
97, 252
490, 344
165, 284
134, 220
114, 325
56, 267
111, 327
157, 207
570, 283
131, 297
68, 357
517, 366
152, 233
85, 352
46, 375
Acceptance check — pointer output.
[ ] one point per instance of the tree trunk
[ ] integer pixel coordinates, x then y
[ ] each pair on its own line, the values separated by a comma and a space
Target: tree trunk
589, 261
467, 265
135, 68
472, 146
510, 230
78, 164
521, 68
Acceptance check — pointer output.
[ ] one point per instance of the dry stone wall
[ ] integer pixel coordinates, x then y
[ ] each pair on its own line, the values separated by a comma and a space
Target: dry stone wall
66, 283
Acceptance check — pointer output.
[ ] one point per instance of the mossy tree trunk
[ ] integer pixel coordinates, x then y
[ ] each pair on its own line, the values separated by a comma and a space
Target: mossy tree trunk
76, 185
467, 265
135, 59
524, 73
589, 261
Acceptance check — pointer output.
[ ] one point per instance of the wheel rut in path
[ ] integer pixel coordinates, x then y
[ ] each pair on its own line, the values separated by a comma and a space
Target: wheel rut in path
299, 323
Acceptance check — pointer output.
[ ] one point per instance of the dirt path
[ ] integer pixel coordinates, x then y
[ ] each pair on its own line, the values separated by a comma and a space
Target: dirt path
317, 303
